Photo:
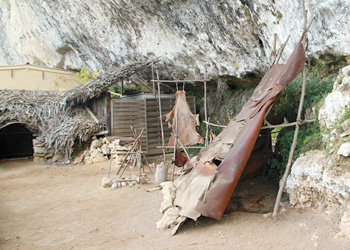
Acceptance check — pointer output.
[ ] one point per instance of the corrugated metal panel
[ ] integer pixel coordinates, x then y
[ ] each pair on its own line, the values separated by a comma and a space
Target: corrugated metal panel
144, 113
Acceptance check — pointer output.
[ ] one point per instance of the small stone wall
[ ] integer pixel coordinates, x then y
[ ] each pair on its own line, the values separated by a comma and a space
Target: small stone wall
100, 149
41, 152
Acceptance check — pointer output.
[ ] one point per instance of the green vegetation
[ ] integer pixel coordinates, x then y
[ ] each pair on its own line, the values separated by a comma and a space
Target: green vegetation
317, 88
85, 75
309, 137
345, 117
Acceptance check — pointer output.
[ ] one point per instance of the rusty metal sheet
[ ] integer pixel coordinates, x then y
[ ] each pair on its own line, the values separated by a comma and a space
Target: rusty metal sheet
207, 189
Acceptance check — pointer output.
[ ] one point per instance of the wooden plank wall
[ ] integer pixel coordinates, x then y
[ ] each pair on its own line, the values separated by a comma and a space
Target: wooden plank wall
99, 106
127, 113
144, 113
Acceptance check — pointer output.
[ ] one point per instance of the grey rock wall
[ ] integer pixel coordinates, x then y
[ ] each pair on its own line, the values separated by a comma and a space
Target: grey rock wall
196, 38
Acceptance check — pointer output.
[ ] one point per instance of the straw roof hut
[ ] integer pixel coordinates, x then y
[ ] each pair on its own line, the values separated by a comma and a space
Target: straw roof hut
61, 118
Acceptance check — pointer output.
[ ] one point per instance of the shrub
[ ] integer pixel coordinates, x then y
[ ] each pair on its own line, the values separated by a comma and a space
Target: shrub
309, 137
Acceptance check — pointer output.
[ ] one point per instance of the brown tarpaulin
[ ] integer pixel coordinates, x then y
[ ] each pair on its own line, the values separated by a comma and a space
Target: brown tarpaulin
207, 189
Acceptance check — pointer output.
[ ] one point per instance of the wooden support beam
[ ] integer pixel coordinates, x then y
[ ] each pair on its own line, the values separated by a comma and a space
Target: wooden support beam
160, 116
92, 114
181, 81
206, 115
215, 125
295, 139
283, 125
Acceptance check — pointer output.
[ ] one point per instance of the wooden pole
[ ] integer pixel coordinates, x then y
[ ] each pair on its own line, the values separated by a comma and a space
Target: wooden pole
153, 83
175, 146
215, 125
300, 122
91, 114
181, 81
295, 139
160, 116
188, 156
206, 114
280, 51
122, 87
133, 148
291, 152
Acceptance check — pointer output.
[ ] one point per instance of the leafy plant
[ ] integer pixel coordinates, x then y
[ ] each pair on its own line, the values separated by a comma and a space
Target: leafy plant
317, 88
85, 75
309, 137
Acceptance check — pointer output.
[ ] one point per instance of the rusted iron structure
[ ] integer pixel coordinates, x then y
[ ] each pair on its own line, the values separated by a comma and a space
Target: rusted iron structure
207, 189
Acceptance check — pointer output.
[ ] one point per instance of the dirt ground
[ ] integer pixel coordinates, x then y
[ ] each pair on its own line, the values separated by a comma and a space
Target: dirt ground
65, 207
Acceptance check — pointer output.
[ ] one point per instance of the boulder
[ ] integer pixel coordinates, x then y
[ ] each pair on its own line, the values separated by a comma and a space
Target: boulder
105, 149
95, 144
105, 141
315, 181
79, 159
94, 152
304, 182
88, 160
344, 149
336, 102
106, 182
169, 193
171, 218
333, 109
99, 158
40, 150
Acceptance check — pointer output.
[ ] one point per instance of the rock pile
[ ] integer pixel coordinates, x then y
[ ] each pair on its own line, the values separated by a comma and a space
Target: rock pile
128, 181
171, 217
98, 151
102, 148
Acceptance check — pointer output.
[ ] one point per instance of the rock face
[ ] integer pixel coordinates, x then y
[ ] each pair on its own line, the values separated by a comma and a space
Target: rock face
319, 179
315, 181
336, 102
198, 38
312, 182
344, 149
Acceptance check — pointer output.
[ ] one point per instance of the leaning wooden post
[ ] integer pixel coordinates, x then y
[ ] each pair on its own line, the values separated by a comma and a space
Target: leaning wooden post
153, 83
291, 152
175, 147
296, 131
206, 114
160, 116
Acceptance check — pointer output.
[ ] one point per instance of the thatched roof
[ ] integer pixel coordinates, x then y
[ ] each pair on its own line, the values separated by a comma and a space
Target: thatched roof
60, 118
97, 85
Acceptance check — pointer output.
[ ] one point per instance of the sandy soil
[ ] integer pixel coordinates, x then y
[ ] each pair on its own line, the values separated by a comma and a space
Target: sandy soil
65, 207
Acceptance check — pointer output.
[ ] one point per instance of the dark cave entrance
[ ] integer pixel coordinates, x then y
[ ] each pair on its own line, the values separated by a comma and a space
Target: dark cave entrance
16, 141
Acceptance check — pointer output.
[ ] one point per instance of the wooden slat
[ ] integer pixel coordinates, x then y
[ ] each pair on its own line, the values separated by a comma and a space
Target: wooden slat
144, 113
